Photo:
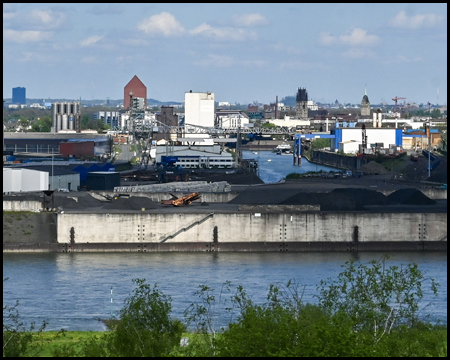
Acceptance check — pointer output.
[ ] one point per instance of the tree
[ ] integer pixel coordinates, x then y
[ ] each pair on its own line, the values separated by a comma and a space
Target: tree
375, 298
44, 124
84, 121
23, 124
145, 327
320, 143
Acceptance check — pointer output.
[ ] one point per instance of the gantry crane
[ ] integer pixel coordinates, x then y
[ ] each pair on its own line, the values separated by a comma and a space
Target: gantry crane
396, 99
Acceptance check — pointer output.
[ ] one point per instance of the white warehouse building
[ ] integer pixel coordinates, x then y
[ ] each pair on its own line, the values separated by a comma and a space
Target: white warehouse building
199, 109
24, 180
349, 139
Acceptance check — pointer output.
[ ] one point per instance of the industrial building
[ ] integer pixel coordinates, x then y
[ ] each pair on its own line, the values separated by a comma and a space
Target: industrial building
349, 140
77, 149
134, 88
24, 180
66, 116
102, 180
49, 143
19, 95
111, 118
167, 117
231, 119
199, 109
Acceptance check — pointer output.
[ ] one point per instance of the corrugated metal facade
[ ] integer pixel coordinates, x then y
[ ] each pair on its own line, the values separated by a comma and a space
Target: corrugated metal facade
23, 180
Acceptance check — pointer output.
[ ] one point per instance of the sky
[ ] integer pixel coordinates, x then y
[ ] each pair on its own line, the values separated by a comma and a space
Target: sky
241, 52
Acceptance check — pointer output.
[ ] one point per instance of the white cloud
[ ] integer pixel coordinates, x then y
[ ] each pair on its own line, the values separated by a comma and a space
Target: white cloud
223, 33
47, 19
250, 20
326, 39
161, 24
354, 37
358, 37
35, 20
402, 20
25, 36
91, 40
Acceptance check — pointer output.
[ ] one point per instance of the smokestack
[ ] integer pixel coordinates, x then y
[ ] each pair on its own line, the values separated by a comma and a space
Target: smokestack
276, 108
374, 122
379, 118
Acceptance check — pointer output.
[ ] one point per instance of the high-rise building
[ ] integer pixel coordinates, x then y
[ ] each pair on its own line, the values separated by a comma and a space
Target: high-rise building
18, 95
135, 88
66, 116
302, 104
199, 109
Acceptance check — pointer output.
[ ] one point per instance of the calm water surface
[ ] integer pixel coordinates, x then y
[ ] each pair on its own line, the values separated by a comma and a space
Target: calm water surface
280, 165
73, 290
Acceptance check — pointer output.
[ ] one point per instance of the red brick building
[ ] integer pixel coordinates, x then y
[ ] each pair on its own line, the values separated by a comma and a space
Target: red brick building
137, 89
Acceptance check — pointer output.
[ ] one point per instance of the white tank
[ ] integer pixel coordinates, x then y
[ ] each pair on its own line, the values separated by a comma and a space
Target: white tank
380, 117
58, 122
65, 121
374, 122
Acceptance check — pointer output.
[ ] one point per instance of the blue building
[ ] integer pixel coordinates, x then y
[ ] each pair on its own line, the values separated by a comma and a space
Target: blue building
18, 96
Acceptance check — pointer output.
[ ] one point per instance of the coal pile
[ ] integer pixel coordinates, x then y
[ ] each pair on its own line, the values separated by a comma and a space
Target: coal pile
328, 201
262, 197
410, 197
373, 168
339, 199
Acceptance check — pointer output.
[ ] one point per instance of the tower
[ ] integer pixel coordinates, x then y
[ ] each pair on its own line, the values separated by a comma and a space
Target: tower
18, 95
365, 105
302, 104
137, 88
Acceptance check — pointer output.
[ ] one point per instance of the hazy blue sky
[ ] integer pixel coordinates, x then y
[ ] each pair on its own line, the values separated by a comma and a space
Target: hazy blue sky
240, 52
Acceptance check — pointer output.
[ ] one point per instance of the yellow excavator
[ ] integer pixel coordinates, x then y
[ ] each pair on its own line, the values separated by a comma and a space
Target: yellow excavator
182, 201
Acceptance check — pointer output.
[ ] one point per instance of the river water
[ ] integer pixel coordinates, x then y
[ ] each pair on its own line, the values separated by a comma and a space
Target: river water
273, 167
73, 290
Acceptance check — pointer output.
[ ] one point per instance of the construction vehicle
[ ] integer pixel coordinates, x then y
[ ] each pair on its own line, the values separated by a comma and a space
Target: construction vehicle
184, 200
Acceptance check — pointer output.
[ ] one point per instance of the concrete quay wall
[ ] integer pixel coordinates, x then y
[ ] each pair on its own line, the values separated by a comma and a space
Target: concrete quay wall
220, 228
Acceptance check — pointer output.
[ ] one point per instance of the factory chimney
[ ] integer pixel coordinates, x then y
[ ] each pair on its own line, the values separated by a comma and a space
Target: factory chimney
276, 108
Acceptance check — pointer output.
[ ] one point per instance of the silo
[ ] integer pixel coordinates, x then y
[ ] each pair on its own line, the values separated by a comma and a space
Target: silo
54, 118
380, 117
374, 122
65, 120
58, 122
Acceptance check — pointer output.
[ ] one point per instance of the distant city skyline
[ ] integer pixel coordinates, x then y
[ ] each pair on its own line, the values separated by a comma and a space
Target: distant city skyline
240, 52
